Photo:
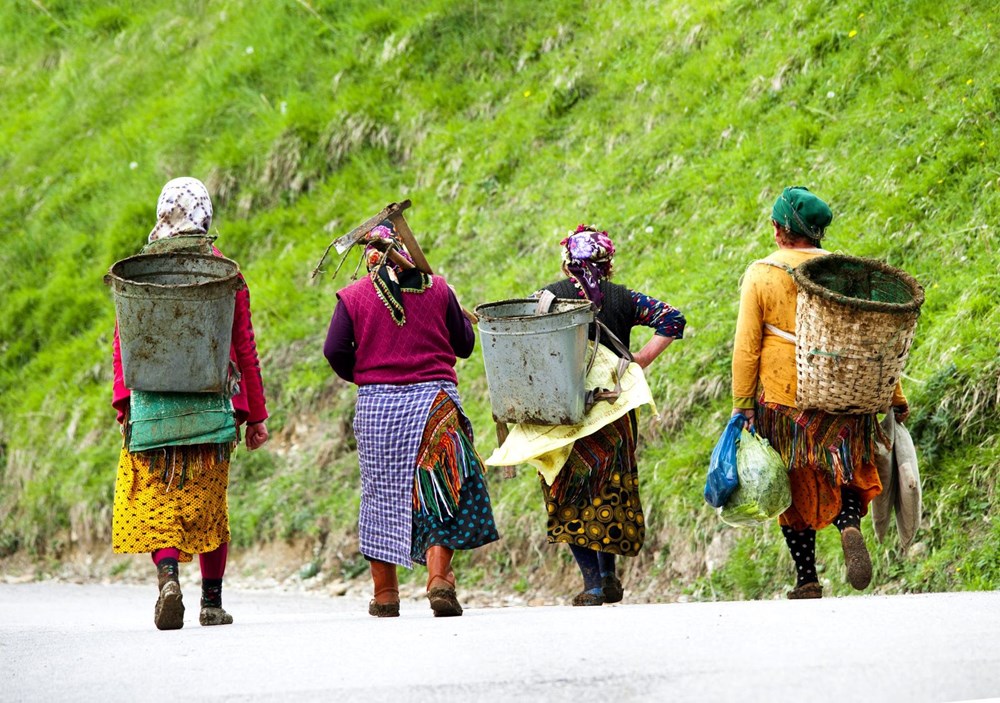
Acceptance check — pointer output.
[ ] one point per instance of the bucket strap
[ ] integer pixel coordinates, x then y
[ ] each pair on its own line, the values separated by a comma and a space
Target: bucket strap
596, 395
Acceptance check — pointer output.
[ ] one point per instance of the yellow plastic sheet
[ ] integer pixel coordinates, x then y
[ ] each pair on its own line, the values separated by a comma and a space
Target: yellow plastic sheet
546, 447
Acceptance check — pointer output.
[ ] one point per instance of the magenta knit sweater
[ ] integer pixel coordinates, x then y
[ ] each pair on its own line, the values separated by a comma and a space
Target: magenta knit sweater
418, 351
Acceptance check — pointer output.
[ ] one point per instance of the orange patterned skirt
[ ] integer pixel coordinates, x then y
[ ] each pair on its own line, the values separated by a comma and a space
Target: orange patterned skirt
824, 453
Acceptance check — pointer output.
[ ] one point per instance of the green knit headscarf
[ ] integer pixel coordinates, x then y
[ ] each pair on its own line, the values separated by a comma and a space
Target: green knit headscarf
802, 212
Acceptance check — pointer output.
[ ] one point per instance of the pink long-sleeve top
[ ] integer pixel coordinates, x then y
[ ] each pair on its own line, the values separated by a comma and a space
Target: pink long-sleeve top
249, 403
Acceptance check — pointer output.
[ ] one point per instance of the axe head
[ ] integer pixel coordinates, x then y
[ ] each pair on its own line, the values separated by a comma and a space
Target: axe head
390, 211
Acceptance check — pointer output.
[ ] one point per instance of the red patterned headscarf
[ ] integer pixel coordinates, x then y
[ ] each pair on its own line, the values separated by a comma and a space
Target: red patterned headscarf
589, 256
388, 277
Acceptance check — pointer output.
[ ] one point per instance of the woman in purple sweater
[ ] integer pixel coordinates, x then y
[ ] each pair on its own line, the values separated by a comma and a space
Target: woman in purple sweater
396, 334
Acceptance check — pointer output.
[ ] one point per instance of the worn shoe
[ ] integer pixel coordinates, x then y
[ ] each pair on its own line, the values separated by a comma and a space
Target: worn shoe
214, 616
169, 611
856, 558
383, 610
588, 598
806, 590
444, 602
612, 587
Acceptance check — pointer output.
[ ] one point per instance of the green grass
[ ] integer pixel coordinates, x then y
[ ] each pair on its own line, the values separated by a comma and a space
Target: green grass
673, 126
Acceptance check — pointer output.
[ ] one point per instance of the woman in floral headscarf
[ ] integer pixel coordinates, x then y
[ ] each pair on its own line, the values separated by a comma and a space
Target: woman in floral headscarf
593, 505
177, 513
396, 334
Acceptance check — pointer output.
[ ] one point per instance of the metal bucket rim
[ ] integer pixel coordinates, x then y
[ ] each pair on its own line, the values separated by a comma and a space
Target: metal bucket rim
114, 278
572, 306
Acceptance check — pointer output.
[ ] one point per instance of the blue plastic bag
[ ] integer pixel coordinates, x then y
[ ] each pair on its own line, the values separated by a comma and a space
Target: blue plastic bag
722, 478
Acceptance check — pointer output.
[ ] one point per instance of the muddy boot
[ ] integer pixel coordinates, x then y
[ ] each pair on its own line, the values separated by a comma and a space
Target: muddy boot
169, 611
856, 558
441, 582
611, 585
806, 590
385, 604
591, 597
211, 604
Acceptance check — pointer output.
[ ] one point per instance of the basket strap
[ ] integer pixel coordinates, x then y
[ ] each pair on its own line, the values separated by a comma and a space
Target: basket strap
787, 336
784, 267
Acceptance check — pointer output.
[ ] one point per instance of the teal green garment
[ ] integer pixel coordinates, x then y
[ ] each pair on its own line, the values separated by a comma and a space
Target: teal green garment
176, 419
802, 212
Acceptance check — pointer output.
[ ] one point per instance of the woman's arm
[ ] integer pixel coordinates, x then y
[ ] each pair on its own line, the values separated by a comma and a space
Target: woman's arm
746, 347
666, 320
339, 348
245, 346
460, 332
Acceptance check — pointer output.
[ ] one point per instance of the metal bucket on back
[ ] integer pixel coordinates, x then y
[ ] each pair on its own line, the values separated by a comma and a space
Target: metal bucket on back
175, 320
535, 363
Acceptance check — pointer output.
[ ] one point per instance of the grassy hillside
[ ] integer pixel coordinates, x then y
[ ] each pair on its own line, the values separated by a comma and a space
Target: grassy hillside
673, 125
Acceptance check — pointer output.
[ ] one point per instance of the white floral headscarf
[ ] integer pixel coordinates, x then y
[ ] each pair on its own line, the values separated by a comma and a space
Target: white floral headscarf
184, 207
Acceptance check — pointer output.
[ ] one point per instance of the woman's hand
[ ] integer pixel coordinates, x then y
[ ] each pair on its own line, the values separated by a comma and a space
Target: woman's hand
256, 435
748, 413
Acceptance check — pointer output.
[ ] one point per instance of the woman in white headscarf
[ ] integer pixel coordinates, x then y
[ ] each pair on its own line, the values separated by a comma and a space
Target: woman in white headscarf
177, 513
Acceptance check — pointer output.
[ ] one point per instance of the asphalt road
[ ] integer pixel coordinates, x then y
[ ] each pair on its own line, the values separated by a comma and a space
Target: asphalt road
61, 642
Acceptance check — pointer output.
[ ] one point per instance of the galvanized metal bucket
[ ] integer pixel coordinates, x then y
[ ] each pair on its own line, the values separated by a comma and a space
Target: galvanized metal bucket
535, 363
175, 320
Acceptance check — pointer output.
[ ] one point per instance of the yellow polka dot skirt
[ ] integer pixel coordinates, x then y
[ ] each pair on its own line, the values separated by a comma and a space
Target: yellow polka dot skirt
175, 498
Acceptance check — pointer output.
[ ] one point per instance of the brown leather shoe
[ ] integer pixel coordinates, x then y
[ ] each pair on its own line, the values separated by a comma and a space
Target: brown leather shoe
385, 604
441, 582
383, 610
806, 590
856, 558
444, 602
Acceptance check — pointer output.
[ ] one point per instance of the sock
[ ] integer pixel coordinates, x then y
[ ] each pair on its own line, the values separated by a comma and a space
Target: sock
606, 563
850, 510
211, 593
166, 570
168, 553
802, 547
586, 559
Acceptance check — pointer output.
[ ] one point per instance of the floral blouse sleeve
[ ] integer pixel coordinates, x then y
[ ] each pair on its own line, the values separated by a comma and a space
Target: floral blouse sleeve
650, 312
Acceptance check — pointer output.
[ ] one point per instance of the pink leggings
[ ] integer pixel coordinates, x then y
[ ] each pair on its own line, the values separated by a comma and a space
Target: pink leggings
213, 564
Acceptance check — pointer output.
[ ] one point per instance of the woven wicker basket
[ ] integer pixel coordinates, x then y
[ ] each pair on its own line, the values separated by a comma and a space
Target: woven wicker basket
853, 327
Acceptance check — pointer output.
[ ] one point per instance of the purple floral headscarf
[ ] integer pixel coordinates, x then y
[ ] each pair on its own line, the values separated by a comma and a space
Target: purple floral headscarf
589, 255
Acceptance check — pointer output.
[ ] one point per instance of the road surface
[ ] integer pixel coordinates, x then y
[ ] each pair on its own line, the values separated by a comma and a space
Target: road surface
62, 642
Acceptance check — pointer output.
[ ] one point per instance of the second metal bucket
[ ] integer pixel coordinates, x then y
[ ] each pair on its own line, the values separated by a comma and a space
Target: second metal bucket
175, 320
535, 363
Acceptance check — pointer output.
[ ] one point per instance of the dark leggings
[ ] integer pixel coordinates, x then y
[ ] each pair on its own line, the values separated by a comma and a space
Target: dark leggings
802, 543
593, 565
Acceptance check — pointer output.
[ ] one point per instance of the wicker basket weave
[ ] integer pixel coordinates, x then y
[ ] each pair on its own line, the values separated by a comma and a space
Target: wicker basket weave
854, 324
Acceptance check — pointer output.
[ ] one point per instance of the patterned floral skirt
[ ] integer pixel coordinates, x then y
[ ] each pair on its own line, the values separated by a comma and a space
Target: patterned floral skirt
594, 501
174, 498
451, 503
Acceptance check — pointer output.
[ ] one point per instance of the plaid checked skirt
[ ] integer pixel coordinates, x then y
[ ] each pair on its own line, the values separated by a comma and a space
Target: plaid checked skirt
389, 426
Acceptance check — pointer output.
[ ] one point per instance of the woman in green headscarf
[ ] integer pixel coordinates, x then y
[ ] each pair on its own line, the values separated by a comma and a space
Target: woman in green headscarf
831, 458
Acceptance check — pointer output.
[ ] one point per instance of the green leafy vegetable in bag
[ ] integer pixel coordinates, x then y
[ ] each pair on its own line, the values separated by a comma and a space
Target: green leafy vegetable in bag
764, 491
